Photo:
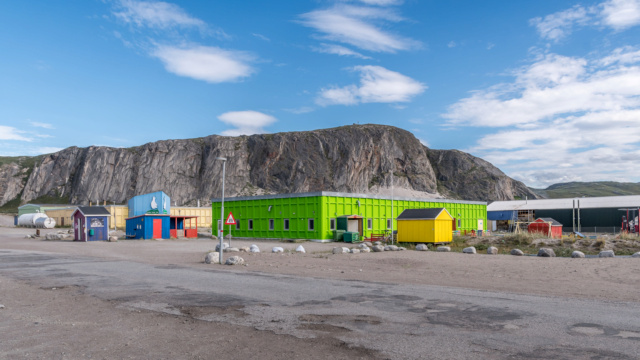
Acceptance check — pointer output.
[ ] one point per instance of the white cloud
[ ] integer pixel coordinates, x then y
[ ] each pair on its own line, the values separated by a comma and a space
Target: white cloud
338, 50
41, 124
452, 44
300, 110
561, 119
11, 133
207, 63
246, 122
359, 26
382, 2
156, 14
377, 85
616, 14
261, 37
621, 14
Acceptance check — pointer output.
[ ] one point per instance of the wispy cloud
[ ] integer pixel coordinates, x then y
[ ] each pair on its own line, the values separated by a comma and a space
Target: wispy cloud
261, 37
247, 122
561, 119
338, 50
377, 85
382, 2
615, 14
41, 125
155, 14
359, 26
300, 110
205, 63
11, 133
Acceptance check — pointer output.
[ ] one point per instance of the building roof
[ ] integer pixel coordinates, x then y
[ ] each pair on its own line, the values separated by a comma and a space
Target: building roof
93, 211
553, 222
46, 205
632, 201
421, 214
339, 194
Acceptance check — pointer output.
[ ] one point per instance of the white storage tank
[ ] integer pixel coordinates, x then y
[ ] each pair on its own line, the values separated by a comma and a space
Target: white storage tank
29, 220
45, 223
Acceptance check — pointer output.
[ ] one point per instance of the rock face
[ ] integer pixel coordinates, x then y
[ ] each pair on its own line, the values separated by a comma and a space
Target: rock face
357, 159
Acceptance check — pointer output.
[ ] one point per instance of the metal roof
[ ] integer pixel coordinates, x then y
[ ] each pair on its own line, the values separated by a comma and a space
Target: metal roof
93, 210
553, 221
632, 201
421, 214
340, 194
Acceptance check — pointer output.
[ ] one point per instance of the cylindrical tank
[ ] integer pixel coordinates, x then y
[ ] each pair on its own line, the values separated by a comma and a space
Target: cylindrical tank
45, 223
29, 220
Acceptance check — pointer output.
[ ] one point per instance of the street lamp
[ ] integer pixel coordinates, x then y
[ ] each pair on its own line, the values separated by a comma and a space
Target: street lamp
221, 228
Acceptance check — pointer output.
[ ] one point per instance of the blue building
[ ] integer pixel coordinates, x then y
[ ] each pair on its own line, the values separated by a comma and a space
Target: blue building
91, 223
149, 216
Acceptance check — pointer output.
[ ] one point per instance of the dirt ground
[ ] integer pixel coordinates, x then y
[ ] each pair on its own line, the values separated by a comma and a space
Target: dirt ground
41, 320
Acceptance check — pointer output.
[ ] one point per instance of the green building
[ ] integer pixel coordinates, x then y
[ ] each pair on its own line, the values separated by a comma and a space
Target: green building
314, 215
38, 208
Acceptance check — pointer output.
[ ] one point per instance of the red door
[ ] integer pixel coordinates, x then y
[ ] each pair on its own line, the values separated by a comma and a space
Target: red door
157, 228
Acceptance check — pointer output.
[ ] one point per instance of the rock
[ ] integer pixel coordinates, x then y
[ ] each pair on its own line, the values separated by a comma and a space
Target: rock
636, 255
234, 260
224, 246
245, 249
70, 231
365, 250
422, 247
254, 248
277, 249
607, 254
492, 250
300, 249
113, 238
51, 236
443, 249
355, 251
363, 246
377, 243
469, 250
546, 252
517, 252
577, 254
212, 258
27, 237
60, 237
390, 248
401, 248
1, 306
341, 250
377, 248
231, 249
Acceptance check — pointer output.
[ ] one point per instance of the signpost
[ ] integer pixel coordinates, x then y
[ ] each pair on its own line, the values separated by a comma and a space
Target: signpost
230, 221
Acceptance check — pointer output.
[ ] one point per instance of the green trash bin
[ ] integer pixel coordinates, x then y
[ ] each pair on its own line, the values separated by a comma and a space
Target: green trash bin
351, 237
91, 232
338, 235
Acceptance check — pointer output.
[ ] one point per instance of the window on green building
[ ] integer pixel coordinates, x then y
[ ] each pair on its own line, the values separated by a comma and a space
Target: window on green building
237, 224
286, 224
388, 223
271, 223
312, 225
369, 224
250, 224
332, 224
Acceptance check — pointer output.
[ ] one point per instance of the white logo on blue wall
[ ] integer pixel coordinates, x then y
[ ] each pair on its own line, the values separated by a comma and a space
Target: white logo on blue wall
154, 206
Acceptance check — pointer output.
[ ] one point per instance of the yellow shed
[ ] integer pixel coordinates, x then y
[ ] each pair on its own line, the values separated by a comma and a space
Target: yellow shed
433, 225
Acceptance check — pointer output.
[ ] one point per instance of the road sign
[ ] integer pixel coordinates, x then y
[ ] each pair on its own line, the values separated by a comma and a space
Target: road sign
230, 220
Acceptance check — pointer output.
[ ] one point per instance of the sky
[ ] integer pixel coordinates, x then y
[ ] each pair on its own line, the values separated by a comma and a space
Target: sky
546, 90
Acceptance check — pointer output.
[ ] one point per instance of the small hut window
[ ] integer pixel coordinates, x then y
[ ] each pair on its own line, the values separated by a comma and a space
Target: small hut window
250, 224
388, 223
369, 224
285, 224
332, 224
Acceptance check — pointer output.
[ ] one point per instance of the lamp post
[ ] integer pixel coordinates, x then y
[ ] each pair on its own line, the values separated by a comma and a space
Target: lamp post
221, 228
391, 206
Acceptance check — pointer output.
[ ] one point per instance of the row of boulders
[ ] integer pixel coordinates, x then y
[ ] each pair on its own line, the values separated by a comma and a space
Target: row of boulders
214, 258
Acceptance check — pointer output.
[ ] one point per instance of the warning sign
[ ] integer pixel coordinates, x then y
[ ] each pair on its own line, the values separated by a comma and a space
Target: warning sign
230, 220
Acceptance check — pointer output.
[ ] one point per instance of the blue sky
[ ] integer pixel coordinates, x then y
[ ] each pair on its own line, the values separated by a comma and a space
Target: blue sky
548, 91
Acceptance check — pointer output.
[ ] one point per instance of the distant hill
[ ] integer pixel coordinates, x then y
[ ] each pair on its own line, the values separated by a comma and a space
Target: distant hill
588, 189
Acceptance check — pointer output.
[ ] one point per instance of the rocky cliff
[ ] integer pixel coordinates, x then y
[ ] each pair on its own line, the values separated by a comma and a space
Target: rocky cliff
358, 159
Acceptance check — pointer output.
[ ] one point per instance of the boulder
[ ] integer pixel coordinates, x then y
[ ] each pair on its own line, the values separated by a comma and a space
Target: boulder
469, 250
390, 248
244, 249
492, 250
277, 249
341, 250
212, 258
113, 238
401, 248
577, 254
231, 249
234, 260
636, 255
365, 250
517, 252
300, 249
224, 246
546, 252
422, 247
254, 248
363, 246
443, 249
607, 254
51, 236
355, 251
377, 248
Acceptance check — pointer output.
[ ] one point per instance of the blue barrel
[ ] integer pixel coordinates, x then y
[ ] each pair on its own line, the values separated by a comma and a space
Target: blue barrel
15, 220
